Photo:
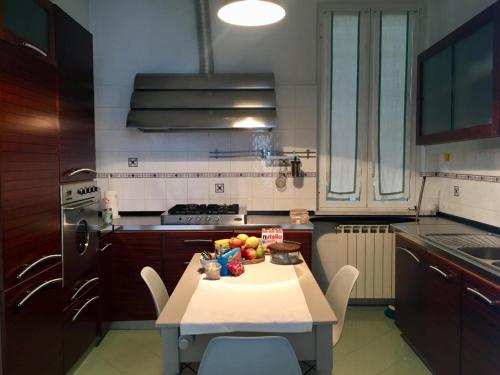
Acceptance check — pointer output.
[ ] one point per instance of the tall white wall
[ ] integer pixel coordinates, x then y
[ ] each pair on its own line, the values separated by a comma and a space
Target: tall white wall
133, 36
478, 200
78, 9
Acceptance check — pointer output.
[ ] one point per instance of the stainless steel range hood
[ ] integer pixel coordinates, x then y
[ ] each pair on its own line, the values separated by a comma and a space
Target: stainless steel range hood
184, 102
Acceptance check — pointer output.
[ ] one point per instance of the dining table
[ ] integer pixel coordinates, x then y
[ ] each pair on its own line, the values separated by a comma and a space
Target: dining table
199, 310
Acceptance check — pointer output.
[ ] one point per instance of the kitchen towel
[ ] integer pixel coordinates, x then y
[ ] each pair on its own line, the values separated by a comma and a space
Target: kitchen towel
266, 298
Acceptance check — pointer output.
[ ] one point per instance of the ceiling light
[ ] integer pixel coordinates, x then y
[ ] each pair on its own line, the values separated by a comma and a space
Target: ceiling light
251, 12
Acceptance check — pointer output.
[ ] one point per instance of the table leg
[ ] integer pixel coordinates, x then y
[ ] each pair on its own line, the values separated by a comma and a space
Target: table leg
324, 349
170, 350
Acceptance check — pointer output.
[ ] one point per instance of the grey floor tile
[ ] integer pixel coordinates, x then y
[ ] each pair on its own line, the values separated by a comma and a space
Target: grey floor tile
370, 344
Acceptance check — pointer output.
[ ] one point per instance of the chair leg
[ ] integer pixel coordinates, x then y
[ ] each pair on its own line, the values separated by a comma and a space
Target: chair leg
187, 366
309, 367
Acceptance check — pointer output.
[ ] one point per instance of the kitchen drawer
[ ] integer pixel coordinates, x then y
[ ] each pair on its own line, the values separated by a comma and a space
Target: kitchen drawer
81, 326
33, 325
480, 326
192, 241
88, 282
441, 289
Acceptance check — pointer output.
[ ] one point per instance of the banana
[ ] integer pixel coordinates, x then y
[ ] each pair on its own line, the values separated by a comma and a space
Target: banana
221, 244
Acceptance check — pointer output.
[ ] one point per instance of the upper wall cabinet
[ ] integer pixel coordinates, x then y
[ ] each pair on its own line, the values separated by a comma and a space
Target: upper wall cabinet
28, 24
459, 83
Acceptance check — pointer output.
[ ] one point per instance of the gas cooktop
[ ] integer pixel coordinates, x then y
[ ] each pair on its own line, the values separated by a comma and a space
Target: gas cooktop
204, 214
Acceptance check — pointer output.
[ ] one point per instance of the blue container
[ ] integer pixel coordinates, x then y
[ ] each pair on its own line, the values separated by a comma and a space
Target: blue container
227, 258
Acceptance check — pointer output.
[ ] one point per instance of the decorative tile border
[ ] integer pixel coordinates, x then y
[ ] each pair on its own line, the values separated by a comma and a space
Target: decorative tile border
197, 175
462, 176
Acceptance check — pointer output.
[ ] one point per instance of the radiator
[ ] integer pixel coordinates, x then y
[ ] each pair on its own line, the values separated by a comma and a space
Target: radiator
369, 248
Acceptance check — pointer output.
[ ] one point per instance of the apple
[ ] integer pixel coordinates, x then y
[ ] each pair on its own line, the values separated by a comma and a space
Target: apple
251, 254
244, 252
260, 252
235, 242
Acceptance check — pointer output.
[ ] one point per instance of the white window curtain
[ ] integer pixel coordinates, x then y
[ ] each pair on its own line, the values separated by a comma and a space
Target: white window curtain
367, 104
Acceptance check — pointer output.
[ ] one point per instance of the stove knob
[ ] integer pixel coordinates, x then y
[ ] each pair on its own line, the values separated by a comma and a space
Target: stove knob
217, 219
198, 219
189, 219
209, 218
94, 189
81, 191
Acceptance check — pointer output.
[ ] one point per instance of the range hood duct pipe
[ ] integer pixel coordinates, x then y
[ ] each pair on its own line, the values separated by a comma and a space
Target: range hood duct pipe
204, 32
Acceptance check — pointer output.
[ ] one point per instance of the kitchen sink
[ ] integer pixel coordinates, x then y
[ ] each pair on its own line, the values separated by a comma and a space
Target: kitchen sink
489, 253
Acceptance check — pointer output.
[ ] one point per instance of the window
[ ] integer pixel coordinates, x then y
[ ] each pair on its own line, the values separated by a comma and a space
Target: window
367, 107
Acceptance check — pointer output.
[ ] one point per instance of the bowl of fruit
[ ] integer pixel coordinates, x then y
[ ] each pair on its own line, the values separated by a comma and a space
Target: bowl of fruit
251, 248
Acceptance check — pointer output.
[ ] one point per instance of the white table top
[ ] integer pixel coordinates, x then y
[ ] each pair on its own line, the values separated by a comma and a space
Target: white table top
173, 312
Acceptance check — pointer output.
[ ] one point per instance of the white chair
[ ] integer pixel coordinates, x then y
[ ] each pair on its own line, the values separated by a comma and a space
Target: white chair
156, 287
338, 294
266, 355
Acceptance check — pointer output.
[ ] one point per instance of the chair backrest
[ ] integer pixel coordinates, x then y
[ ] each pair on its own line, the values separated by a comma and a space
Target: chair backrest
266, 355
156, 287
338, 294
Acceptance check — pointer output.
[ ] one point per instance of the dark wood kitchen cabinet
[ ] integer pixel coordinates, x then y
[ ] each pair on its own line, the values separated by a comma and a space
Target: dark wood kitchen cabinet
28, 24
105, 259
32, 318
130, 297
441, 315
480, 326
447, 314
81, 326
74, 57
29, 166
180, 246
458, 92
410, 292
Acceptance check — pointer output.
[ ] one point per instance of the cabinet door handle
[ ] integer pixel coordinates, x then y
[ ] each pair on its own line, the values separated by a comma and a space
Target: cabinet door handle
37, 289
29, 267
80, 310
441, 272
104, 248
409, 253
81, 170
83, 286
198, 241
34, 48
481, 296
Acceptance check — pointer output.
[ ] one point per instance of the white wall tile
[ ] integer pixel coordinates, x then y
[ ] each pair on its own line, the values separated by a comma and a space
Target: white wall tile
155, 188
305, 96
198, 189
177, 189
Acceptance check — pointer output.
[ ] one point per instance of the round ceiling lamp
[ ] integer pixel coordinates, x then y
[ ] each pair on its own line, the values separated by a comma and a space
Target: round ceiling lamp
251, 12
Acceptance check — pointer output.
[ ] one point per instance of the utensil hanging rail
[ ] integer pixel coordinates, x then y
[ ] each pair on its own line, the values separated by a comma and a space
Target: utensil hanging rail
263, 154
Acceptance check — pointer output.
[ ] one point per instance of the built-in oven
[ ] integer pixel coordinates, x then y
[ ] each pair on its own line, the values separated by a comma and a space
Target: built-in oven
80, 221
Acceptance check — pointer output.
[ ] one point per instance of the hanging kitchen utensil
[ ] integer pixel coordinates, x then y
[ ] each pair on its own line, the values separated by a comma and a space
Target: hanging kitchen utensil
296, 167
282, 176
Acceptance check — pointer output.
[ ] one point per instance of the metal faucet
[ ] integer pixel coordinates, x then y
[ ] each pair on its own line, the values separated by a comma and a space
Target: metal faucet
419, 206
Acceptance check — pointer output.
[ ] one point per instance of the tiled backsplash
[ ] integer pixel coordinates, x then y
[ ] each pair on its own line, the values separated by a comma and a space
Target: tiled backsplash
469, 198
249, 182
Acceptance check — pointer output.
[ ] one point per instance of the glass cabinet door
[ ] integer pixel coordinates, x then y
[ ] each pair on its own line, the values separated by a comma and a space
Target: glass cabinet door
29, 21
436, 97
473, 79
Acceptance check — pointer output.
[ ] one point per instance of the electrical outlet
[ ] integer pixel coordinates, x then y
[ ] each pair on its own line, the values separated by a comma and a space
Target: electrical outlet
219, 188
133, 162
456, 191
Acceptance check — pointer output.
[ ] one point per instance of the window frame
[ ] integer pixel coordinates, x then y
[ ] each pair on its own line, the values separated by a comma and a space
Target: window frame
368, 102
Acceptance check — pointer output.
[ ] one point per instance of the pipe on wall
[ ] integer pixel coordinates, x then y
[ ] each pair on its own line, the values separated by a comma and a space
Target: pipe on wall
204, 32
